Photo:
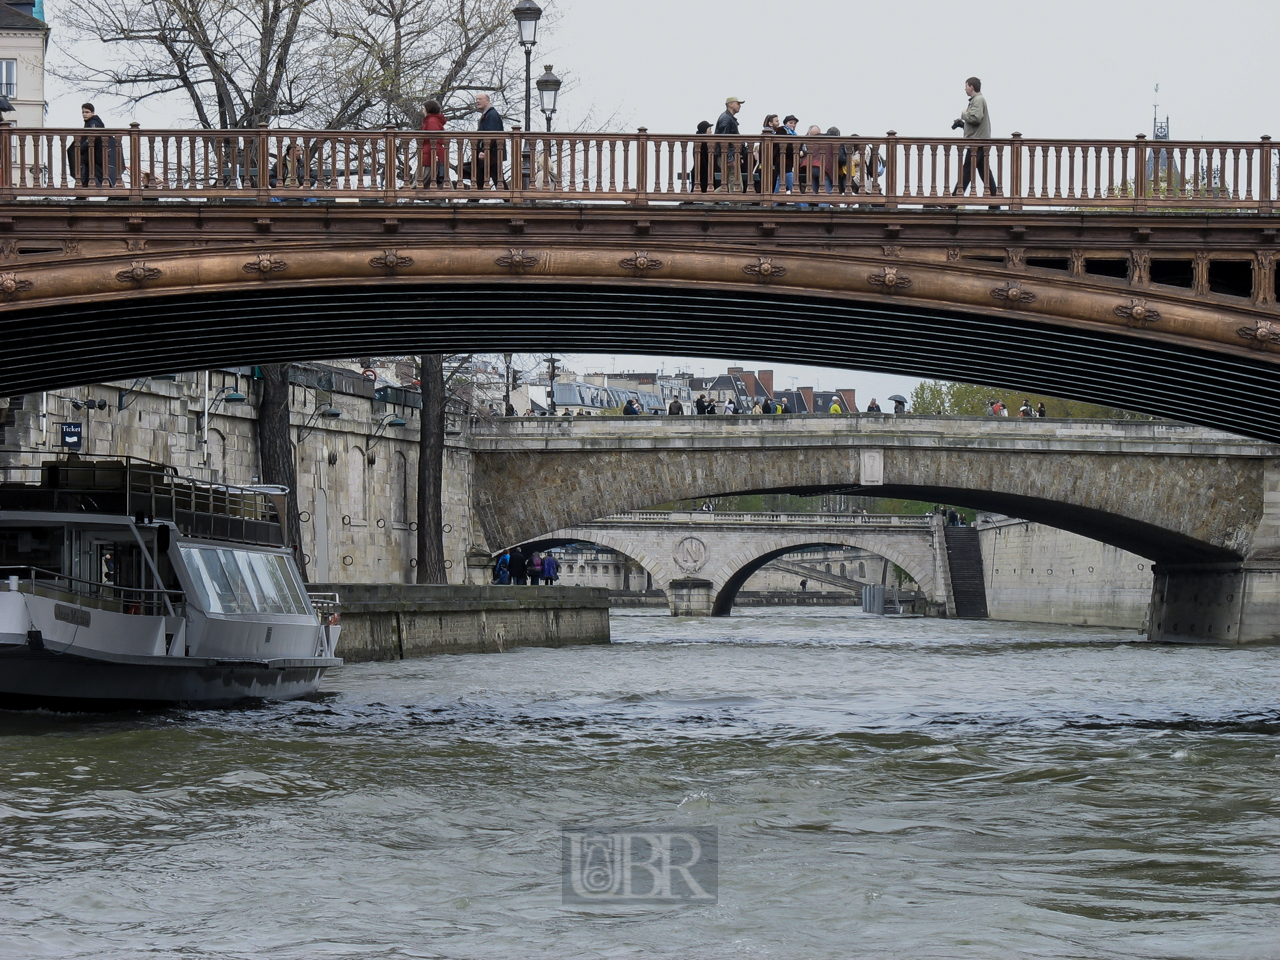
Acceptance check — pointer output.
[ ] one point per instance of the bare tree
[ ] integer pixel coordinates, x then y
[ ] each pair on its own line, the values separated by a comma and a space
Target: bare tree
431, 472
236, 63
330, 64
275, 450
389, 57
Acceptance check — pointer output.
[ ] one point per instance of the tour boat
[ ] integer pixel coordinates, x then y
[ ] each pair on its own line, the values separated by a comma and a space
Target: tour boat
124, 584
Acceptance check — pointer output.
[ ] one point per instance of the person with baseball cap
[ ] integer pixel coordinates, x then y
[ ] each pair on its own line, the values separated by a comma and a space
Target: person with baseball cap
727, 125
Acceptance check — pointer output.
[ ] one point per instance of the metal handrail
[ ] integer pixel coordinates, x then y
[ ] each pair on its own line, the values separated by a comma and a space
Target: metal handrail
157, 491
153, 597
639, 168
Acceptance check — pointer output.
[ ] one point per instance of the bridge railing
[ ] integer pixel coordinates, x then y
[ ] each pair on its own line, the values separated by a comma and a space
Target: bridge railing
638, 168
807, 519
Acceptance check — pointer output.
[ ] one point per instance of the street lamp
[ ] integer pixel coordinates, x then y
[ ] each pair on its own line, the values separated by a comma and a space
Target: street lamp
527, 14
548, 90
553, 371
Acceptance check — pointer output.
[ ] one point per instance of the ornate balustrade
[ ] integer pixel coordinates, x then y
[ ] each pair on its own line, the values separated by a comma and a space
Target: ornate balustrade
772, 519
640, 168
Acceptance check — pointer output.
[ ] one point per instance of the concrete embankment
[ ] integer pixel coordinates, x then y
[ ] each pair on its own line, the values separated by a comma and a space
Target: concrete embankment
395, 621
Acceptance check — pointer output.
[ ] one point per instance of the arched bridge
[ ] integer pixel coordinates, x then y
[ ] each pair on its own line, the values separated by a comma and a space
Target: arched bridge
1203, 505
702, 559
1093, 279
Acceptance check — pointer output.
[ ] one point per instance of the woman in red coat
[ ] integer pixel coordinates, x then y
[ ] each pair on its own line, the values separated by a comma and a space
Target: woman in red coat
433, 119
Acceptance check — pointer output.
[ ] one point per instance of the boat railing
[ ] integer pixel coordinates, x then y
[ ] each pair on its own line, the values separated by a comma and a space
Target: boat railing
90, 593
134, 487
326, 605
329, 612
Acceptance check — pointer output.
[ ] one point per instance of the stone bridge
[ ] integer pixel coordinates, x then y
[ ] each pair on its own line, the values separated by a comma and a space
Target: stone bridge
1204, 506
702, 559
1092, 281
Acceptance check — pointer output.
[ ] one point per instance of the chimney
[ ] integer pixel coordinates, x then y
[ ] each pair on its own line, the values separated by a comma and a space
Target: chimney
848, 400
807, 393
734, 370
766, 380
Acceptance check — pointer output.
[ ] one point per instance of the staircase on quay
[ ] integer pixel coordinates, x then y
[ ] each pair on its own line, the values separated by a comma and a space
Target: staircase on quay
964, 562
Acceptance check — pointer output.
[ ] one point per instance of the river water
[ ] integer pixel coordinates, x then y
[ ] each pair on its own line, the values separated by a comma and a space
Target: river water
881, 788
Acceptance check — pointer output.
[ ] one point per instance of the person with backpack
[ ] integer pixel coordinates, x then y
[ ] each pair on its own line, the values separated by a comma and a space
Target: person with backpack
535, 569
502, 569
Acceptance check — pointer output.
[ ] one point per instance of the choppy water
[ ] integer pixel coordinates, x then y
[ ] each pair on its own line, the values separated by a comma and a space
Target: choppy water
882, 788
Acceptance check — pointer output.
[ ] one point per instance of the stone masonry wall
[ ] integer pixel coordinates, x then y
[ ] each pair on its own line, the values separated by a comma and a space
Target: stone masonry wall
395, 622
359, 517
1038, 574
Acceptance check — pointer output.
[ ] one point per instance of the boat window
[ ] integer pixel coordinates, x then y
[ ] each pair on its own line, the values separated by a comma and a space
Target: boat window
293, 589
243, 581
263, 571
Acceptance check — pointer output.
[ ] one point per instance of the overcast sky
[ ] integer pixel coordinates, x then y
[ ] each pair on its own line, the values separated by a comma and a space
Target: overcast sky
1084, 68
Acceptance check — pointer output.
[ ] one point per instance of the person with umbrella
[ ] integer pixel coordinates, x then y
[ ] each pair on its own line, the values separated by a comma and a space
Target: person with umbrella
899, 404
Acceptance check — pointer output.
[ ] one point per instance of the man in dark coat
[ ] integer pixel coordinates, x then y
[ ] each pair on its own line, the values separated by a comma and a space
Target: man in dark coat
490, 154
91, 157
519, 567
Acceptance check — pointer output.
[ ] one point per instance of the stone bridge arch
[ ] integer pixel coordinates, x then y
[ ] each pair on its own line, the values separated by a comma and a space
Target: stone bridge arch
629, 547
1162, 491
702, 566
915, 552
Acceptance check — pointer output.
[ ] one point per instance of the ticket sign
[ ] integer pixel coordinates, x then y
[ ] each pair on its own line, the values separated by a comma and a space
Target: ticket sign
72, 435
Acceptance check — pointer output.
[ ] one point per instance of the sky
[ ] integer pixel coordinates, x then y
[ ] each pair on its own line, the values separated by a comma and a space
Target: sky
1088, 68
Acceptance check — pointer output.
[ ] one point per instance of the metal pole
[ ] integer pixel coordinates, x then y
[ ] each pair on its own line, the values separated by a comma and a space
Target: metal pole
528, 87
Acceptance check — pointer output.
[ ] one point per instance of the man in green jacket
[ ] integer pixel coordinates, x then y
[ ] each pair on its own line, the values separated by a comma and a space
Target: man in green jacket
976, 121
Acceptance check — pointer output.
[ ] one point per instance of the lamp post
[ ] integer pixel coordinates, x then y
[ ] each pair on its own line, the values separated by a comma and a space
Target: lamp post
506, 387
527, 14
549, 91
553, 371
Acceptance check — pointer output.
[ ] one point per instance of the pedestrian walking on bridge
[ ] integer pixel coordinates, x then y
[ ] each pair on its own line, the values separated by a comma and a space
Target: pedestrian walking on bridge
731, 156
976, 121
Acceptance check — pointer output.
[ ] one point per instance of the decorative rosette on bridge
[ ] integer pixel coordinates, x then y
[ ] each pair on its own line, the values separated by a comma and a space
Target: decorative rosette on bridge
138, 273
1013, 293
390, 261
1262, 333
11, 287
641, 263
765, 269
1137, 313
517, 261
265, 266
890, 280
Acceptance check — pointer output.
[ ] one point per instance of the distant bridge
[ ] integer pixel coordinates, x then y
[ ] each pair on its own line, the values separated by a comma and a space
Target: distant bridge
1095, 281
1203, 505
702, 558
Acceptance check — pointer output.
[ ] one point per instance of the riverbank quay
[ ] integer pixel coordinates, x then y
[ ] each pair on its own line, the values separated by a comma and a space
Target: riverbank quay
401, 621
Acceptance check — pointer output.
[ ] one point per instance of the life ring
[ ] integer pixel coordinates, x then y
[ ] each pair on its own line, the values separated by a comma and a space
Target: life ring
133, 609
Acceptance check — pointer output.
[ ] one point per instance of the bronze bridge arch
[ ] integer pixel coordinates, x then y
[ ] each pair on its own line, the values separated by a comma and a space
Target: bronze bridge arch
92, 291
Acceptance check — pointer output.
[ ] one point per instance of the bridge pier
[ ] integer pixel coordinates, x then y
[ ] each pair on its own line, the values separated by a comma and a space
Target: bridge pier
691, 597
1228, 603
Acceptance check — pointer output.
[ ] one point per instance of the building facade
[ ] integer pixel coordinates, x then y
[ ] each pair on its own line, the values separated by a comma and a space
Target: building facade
24, 38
